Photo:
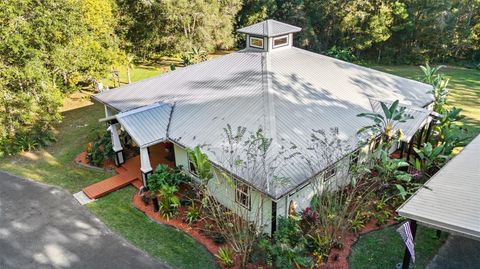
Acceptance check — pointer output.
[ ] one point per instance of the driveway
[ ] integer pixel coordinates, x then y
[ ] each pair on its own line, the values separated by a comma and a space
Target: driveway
457, 253
44, 227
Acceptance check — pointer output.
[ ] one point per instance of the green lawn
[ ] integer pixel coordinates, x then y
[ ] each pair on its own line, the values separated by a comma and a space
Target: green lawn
54, 165
464, 89
366, 254
383, 249
170, 245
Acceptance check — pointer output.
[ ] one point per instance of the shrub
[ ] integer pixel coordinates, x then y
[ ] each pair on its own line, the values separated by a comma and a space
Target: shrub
25, 141
288, 249
165, 175
169, 201
101, 149
193, 214
158, 178
357, 223
225, 255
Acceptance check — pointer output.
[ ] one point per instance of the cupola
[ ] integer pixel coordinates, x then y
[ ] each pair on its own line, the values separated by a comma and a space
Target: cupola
269, 35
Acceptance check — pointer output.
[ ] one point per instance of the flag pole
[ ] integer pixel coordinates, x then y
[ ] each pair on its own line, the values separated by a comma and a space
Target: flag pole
407, 256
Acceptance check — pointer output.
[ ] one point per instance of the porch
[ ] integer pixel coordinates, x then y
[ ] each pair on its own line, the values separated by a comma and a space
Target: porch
130, 171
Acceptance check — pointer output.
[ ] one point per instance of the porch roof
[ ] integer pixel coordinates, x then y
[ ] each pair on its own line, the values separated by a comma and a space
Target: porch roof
147, 125
449, 200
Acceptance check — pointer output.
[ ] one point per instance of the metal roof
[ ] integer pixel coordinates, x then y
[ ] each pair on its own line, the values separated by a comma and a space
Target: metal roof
411, 126
147, 125
269, 28
450, 200
285, 92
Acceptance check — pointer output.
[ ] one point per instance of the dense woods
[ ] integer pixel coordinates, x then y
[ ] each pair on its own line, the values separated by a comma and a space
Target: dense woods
50, 48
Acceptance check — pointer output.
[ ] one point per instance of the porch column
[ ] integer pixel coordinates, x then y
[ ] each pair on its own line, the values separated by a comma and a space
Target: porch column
116, 145
420, 136
402, 149
429, 130
410, 148
145, 166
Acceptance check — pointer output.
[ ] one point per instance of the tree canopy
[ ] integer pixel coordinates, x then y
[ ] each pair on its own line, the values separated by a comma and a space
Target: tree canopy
48, 49
51, 48
400, 31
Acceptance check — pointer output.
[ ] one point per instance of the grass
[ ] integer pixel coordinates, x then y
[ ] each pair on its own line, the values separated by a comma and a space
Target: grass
170, 245
54, 165
384, 248
464, 88
366, 254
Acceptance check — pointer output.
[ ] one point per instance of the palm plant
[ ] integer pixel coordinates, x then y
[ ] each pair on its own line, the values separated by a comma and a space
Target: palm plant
387, 122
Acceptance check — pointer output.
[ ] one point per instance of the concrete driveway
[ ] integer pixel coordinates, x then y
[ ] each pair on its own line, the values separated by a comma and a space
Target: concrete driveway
457, 253
44, 227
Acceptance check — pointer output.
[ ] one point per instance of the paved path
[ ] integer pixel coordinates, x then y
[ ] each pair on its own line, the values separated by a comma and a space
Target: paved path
457, 253
44, 227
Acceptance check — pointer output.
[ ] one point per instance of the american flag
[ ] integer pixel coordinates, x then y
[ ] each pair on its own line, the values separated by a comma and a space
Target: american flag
406, 234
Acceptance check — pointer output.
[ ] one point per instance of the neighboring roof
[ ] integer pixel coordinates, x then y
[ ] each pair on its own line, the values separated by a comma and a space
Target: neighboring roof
147, 125
286, 92
269, 28
411, 126
450, 200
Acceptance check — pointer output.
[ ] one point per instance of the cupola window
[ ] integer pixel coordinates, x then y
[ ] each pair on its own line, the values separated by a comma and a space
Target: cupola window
280, 41
256, 42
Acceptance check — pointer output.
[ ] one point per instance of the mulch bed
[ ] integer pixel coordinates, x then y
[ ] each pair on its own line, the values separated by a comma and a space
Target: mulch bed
178, 223
338, 258
81, 159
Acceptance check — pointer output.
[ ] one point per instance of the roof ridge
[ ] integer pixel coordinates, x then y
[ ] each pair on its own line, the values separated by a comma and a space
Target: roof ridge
270, 118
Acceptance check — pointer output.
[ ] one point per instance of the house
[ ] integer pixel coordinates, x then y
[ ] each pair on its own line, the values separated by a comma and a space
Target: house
284, 90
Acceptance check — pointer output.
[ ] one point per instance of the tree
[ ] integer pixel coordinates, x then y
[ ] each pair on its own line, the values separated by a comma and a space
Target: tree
48, 48
148, 27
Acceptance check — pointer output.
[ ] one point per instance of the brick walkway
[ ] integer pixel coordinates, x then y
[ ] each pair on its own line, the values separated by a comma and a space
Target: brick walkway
128, 173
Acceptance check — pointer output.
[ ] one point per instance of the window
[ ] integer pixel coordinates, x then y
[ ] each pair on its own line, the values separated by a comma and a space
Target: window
192, 168
280, 41
256, 42
242, 195
329, 173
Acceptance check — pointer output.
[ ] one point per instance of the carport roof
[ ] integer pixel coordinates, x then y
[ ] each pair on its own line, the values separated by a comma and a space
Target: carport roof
450, 200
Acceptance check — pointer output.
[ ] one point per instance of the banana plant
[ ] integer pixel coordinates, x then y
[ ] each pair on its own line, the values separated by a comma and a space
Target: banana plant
201, 163
387, 122
439, 84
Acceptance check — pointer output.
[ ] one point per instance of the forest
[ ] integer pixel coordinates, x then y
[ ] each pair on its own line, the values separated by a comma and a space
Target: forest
52, 48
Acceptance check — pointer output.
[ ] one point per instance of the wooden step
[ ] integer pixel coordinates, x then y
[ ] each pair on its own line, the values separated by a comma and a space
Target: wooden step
137, 183
108, 185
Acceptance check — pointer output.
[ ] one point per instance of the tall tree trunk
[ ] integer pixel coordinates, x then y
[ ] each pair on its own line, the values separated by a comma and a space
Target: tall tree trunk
128, 74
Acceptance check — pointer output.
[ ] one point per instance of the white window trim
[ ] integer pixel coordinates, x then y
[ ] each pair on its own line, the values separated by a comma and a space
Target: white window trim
247, 194
255, 46
281, 45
